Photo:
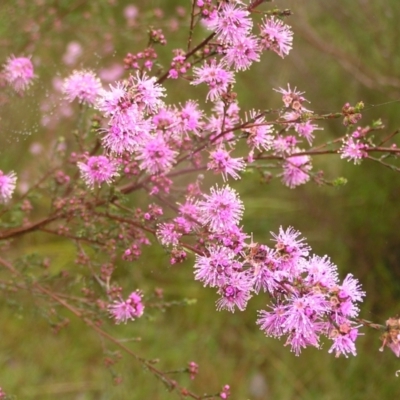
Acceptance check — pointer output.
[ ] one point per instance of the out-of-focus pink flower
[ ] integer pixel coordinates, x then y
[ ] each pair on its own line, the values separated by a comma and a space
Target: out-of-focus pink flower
19, 73
73, 51
83, 86
7, 185
131, 308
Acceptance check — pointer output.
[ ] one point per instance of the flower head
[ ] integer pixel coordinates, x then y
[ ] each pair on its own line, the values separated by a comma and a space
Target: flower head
259, 133
353, 150
214, 269
19, 72
243, 53
124, 135
230, 23
146, 92
221, 209
216, 76
98, 169
7, 185
343, 338
236, 292
154, 155
83, 86
168, 235
222, 162
276, 36
295, 171
131, 308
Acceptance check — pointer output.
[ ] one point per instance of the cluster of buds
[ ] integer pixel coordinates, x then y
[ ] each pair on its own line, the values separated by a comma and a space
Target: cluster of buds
352, 114
142, 60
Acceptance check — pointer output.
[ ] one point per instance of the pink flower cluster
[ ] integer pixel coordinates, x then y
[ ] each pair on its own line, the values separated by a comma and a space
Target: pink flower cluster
129, 309
307, 299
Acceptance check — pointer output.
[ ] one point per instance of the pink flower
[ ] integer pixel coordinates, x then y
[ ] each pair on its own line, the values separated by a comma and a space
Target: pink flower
167, 234
259, 132
214, 269
320, 271
7, 185
353, 150
292, 98
215, 76
146, 92
155, 156
222, 162
73, 51
123, 310
272, 322
243, 53
221, 209
115, 101
276, 36
288, 242
343, 340
236, 292
230, 23
125, 134
190, 118
19, 72
306, 129
98, 169
83, 86
295, 171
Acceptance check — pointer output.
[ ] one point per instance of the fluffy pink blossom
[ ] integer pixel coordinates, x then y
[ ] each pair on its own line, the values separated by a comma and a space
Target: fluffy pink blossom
292, 98
114, 101
221, 162
7, 185
353, 150
221, 209
295, 171
190, 118
343, 340
98, 169
320, 271
242, 54
83, 86
306, 129
215, 268
259, 133
125, 134
19, 73
272, 322
230, 23
167, 234
276, 36
290, 242
216, 76
129, 309
155, 155
146, 92
236, 292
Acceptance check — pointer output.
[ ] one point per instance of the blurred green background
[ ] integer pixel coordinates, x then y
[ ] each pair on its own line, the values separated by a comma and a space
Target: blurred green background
343, 52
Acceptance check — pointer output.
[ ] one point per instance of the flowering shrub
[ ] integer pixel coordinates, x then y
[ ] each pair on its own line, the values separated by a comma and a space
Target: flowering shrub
134, 139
